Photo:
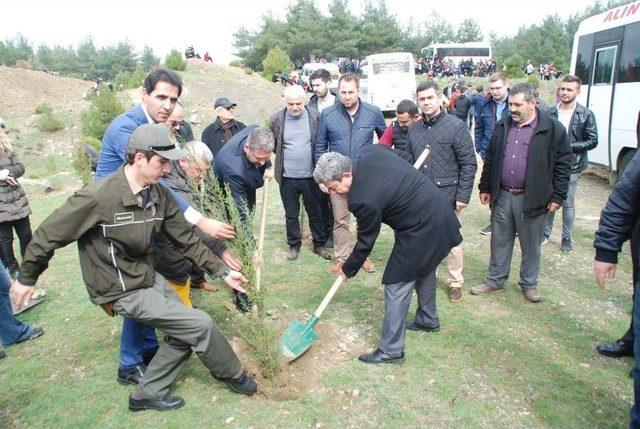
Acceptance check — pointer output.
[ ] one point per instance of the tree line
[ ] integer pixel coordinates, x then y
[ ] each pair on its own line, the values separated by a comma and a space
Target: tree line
305, 32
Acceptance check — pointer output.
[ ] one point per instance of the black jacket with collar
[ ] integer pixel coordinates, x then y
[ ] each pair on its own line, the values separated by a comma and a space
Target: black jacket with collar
548, 164
451, 164
582, 135
213, 135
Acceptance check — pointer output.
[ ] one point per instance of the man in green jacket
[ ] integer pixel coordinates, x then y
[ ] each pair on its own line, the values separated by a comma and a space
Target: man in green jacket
114, 221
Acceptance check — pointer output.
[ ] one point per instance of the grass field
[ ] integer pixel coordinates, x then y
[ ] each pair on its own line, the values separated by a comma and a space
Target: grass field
499, 361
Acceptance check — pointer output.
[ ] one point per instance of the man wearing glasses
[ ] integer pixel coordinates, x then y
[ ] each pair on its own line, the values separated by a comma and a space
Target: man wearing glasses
224, 127
177, 125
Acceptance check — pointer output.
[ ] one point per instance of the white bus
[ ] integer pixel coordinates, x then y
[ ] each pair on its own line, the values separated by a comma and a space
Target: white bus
606, 56
387, 79
457, 52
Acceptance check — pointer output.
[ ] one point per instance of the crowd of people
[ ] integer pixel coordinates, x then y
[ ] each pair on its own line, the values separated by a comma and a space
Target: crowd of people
143, 243
446, 67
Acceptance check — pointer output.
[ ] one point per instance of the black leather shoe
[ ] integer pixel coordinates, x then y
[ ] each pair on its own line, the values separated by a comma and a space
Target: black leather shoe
148, 356
166, 404
322, 252
615, 350
379, 356
132, 376
244, 384
414, 326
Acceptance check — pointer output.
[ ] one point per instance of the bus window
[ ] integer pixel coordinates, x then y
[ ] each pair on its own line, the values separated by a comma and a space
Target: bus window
585, 57
391, 67
603, 73
629, 69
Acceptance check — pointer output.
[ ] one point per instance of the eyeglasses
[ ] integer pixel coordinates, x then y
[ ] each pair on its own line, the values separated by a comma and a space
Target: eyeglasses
176, 124
230, 108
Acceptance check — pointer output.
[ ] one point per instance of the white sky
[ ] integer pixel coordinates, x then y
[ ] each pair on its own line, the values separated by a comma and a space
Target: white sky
209, 25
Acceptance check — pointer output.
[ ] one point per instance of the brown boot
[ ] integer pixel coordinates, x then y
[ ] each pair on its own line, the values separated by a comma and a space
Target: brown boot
485, 288
455, 293
532, 294
335, 268
368, 266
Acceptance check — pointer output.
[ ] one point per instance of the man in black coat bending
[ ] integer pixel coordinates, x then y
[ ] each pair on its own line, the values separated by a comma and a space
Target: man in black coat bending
425, 228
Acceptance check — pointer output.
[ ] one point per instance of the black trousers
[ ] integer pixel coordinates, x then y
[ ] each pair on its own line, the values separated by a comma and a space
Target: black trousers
290, 192
23, 230
327, 215
628, 336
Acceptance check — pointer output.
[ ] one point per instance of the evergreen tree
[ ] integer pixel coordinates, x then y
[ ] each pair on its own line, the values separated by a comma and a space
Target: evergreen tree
148, 60
469, 31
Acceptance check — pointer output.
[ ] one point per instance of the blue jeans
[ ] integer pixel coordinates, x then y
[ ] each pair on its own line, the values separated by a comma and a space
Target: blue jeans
635, 410
11, 329
136, 339
568, 210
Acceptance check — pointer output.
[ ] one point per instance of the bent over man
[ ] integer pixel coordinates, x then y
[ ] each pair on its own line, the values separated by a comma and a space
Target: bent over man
425, 230
114, 221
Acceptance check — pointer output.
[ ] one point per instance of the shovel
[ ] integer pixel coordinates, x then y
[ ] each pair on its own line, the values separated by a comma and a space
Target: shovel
300, 336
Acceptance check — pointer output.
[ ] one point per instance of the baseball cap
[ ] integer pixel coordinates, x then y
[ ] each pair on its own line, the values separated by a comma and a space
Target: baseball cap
158, 139
223, 102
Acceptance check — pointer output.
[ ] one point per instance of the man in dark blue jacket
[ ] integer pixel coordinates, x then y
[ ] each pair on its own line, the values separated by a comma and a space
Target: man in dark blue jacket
347, 127
617, 221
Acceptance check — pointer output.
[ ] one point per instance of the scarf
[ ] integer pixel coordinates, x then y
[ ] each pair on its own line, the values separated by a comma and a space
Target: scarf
226, 128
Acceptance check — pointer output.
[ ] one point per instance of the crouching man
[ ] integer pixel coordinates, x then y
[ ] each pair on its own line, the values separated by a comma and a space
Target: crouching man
425, 229
114, 220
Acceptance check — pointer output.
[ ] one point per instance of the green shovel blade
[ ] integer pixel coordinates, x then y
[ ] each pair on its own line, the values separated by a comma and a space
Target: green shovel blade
298, 338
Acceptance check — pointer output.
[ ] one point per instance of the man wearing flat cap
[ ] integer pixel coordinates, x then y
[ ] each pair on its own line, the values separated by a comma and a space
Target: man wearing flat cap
224, 127
114, 220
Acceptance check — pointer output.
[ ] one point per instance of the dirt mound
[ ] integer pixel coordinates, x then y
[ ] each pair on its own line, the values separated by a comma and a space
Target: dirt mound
336, 346
22, 90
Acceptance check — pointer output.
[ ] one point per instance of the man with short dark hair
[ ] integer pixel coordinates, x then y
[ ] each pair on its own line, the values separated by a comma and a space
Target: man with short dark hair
294, 130
488, 113
395, 135
114, 221
323, 96
451, 165
347, 128
243, 163
525, 175
582, 133
220, 131
424, 228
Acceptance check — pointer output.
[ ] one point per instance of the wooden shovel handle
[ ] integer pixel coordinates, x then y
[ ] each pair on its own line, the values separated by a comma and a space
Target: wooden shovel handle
328, 297
263, 224
422, 158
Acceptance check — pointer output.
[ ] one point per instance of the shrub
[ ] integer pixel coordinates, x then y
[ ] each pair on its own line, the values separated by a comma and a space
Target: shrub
93, 142
48, 122
276, 60
174, 61
82, 165
43, 108
514, 65
105, 106
248, 71
237, 63
534, 80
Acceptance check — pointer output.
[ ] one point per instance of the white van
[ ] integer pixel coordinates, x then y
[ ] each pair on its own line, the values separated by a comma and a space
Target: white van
309, 68
387, 79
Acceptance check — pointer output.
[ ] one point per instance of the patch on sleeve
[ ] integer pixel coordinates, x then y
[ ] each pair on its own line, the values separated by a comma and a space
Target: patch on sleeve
125, 217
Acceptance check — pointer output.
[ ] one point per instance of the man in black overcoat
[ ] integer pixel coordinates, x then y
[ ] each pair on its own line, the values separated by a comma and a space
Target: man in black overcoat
383, 188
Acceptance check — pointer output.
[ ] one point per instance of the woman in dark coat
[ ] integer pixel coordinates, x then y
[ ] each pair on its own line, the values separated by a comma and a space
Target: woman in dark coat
14, 206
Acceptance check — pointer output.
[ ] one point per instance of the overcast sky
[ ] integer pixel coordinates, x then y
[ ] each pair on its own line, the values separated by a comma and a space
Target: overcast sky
209, 25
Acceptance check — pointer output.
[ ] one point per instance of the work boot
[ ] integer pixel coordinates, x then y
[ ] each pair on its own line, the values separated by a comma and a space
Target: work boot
242, 384
532, 294
335, 268
484, 288
322, 252
293, 253
486, 230
455, 293
566, 246
165, 404
368, 266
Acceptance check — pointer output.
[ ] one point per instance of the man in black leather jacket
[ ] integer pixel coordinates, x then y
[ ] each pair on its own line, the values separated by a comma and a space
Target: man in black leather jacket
582, 133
